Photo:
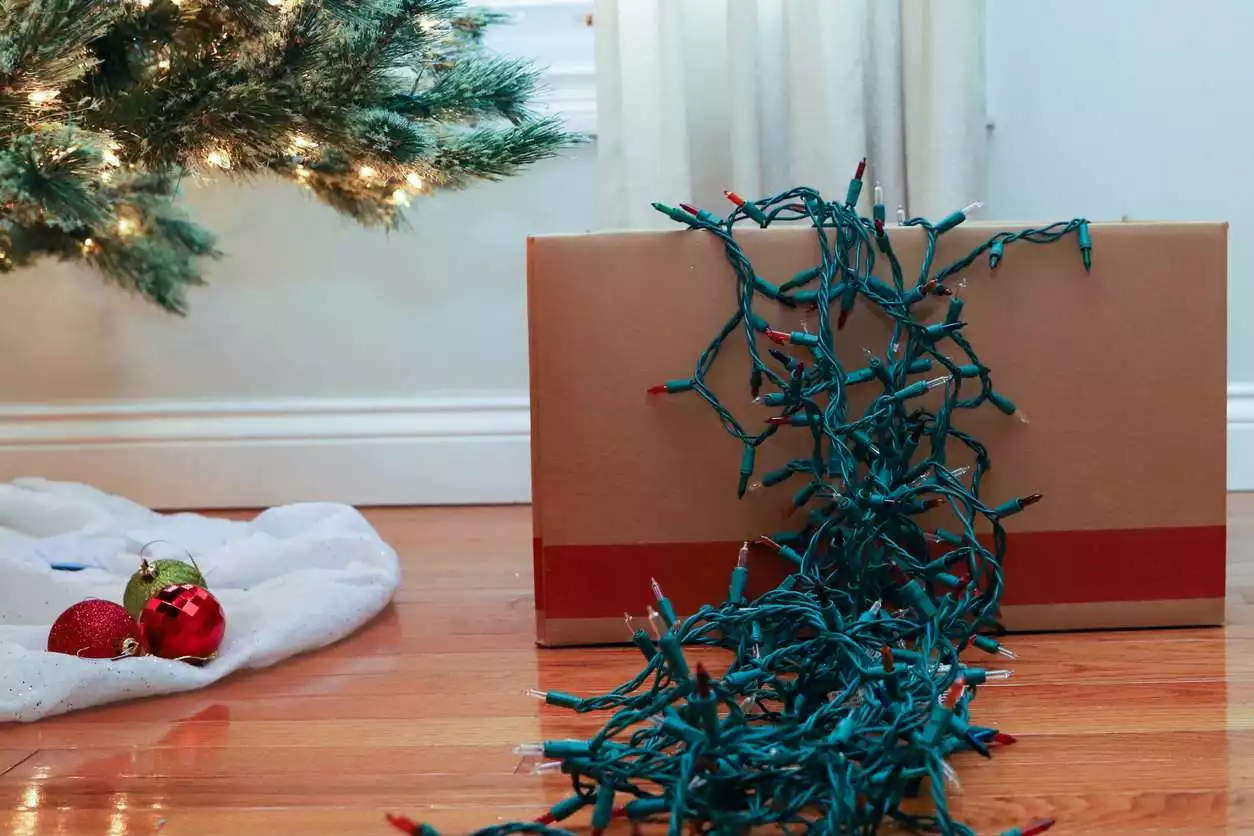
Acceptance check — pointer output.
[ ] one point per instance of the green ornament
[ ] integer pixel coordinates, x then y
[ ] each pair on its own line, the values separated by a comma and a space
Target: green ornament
154, 577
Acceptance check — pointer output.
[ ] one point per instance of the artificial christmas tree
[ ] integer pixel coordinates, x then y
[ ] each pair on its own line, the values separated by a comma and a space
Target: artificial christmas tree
106, 104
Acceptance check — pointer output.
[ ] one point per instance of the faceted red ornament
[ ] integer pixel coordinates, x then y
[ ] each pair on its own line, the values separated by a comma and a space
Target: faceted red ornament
95, 629
183, 621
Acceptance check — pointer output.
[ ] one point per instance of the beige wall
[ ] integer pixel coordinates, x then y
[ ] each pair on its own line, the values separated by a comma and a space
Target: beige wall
305, 304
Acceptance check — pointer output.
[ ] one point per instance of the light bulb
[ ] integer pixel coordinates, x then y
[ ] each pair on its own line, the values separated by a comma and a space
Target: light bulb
126, 226
400, 197
218, 158
110, 158
536, 693
878, 192
939, 381
655, 621
43, 97
901, 215
545, 767
163, 64
302, 172
89, 245
366, 172
414, 181
979, 204
951, 777
299, 140
529, 750
742, 559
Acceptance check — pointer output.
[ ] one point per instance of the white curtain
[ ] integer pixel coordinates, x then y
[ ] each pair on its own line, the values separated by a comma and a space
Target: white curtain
757, 96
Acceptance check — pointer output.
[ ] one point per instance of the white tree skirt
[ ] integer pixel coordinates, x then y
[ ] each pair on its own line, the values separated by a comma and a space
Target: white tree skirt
294, 579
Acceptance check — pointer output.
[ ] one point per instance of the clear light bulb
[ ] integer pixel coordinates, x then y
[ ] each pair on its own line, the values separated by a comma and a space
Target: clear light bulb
655, 621
218, 158
998, 676
901, 215
535, 693
400, 197
878, 193
951, 777
1022, 416
529, 750
43, 97
973, 207
546, 767
366, 172
742, 558
414, 181
939, 381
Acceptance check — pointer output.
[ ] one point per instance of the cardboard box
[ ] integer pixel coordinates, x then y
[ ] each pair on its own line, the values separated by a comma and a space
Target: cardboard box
1122, 372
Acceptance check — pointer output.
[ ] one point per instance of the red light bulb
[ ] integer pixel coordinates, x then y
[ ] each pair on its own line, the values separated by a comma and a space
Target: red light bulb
734, 198
861, 170
403, 824
1038, 827
778, 337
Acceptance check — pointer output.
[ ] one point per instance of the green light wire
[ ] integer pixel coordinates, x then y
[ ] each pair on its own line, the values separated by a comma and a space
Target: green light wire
833, 709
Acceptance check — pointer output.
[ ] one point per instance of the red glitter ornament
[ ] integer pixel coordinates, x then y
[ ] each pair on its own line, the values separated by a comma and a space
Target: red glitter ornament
95, 629
183, 622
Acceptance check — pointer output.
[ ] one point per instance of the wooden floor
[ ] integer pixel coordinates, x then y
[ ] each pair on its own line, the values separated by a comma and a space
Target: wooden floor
1120, 733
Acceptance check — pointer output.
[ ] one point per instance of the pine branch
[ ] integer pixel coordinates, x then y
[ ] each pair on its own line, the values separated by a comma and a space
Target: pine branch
105, 104
475, 88
496, 153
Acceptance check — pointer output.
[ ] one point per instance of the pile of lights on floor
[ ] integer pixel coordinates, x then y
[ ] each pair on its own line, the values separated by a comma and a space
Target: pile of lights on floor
847, 686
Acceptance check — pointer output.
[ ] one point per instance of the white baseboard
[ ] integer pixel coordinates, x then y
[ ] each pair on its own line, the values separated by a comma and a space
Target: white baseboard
215, 454
1241, 436
410, 451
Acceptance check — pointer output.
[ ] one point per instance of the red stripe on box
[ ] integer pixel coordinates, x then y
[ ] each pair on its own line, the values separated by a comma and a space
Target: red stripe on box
537, 564
1041, 567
